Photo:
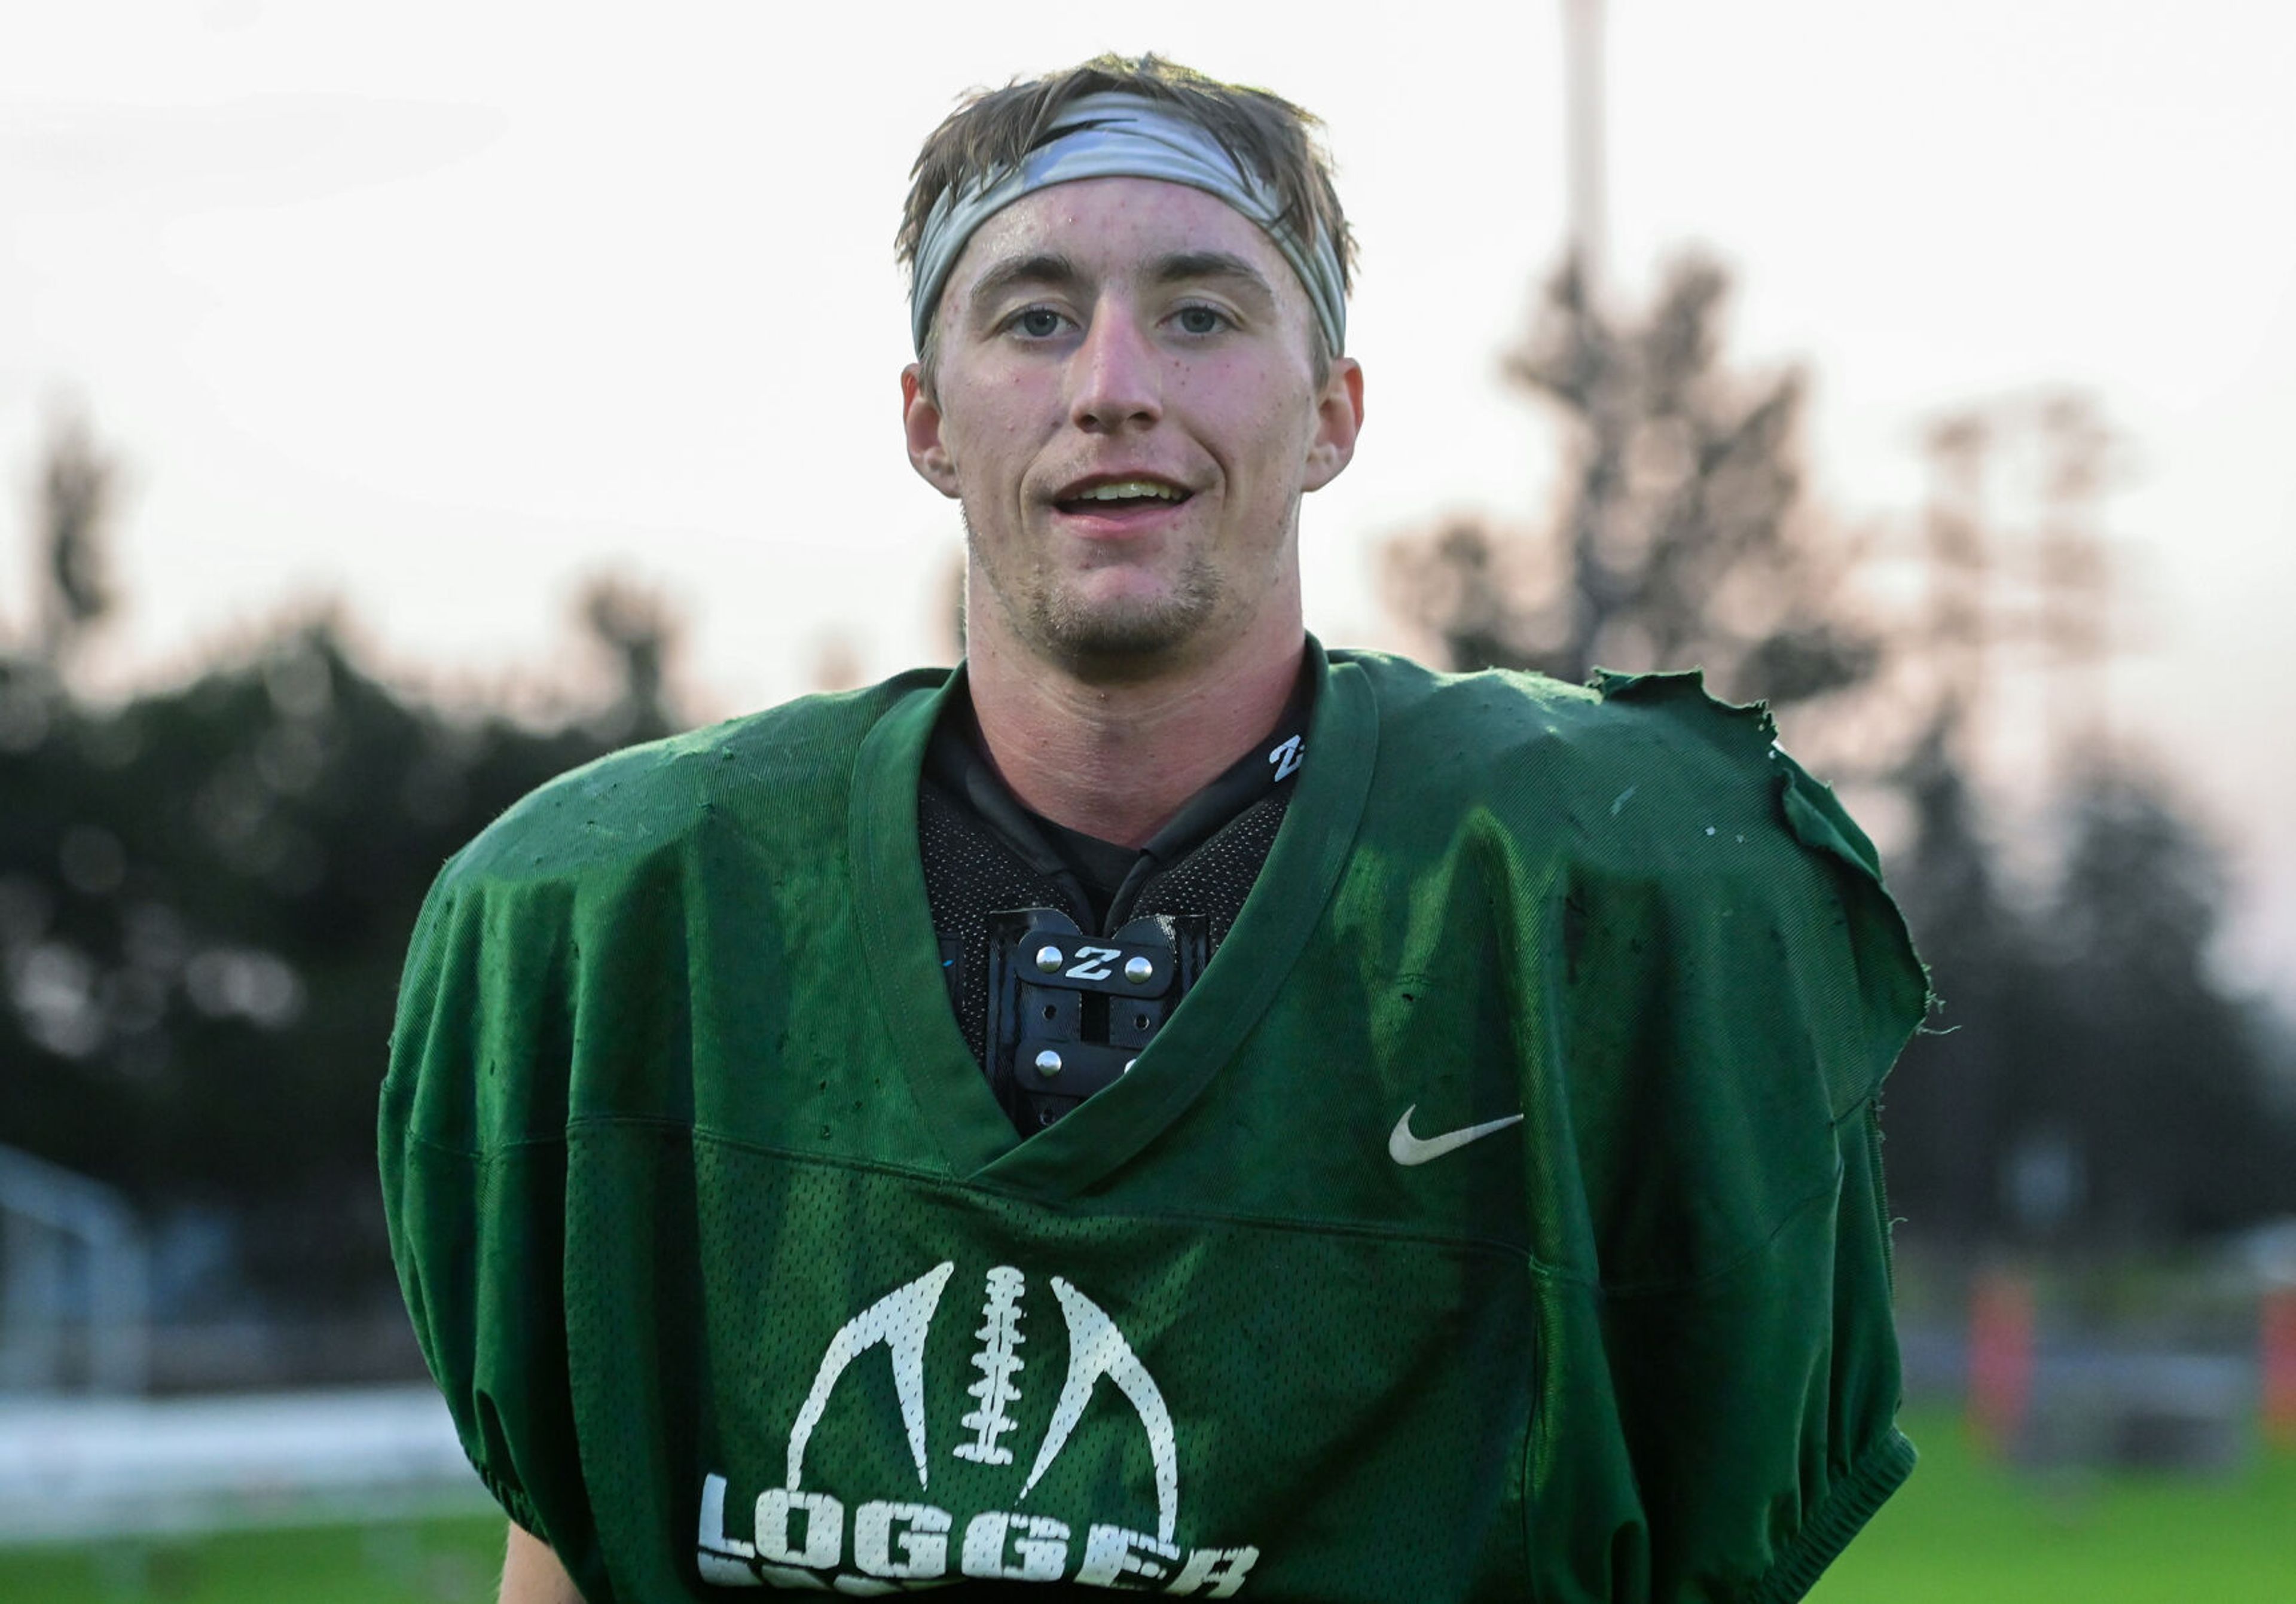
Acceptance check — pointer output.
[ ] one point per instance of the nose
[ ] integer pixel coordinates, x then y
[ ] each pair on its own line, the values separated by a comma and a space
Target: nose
1118, 375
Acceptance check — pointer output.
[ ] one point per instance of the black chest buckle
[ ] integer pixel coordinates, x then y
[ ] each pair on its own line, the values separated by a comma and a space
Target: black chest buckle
1067, 1013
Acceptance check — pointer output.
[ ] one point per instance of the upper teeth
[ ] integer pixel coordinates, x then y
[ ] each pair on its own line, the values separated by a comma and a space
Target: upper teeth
1125, 489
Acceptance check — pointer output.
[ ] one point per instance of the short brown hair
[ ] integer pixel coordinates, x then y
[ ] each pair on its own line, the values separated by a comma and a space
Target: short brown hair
996, 127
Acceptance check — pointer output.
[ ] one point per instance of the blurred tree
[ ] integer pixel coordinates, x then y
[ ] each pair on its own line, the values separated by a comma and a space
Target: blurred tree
2097, 1084
77, 497
205, 894
637, 629
1946, 1103
2156, 1073
1681, 538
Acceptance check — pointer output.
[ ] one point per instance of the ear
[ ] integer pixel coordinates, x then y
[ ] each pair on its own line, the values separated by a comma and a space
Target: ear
921, 423
1338, 419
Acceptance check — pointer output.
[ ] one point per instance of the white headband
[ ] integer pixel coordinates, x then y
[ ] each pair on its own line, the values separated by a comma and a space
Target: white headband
1116, 134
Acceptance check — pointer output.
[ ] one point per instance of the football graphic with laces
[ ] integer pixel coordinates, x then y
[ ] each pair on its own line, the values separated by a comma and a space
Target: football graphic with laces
805, 1535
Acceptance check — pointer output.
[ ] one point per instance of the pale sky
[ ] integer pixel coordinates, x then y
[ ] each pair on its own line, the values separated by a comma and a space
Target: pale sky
437, 308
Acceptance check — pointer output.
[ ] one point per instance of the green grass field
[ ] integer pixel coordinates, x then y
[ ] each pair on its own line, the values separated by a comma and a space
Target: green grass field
410, 1562
1960, 1532
1965, 1530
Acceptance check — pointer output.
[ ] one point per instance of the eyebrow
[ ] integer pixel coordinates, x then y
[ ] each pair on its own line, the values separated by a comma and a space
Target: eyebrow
1188, 265
1039, 268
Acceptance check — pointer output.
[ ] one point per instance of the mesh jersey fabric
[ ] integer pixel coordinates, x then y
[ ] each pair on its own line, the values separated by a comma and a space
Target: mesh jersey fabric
734, 1275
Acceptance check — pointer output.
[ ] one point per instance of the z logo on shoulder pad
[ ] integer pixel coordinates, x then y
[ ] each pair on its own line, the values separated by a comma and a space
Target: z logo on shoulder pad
1285, 755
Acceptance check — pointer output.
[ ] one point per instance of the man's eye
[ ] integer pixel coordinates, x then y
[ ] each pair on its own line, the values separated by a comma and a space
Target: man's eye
1202, 320
1038, 323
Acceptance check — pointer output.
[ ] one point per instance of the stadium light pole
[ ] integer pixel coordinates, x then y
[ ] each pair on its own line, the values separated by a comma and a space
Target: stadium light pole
1582, 59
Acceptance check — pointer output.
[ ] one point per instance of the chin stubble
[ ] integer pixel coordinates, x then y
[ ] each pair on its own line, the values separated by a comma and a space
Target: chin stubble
1056, 619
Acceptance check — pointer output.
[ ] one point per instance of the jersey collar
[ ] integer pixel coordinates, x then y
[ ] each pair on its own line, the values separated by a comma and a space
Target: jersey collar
1100, 879
902, 955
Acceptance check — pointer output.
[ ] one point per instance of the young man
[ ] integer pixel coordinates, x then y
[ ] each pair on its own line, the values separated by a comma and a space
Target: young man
1164, 1107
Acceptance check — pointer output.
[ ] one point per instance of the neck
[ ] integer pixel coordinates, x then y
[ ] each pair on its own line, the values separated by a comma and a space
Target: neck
1118, 758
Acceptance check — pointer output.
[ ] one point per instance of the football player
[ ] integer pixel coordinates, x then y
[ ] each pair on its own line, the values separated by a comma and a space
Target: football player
1163, 1106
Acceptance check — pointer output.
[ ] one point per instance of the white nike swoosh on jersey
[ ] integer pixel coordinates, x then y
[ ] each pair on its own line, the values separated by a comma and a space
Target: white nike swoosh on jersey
1405, 1148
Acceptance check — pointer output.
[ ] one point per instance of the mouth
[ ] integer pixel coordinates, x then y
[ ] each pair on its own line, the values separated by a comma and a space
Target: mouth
1123, 500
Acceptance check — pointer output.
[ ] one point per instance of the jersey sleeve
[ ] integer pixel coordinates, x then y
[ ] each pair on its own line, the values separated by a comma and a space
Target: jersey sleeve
473, 1166
1755, 1414
1746, 984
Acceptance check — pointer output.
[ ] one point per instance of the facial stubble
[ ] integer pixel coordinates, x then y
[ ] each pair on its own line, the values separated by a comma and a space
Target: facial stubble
1052, 615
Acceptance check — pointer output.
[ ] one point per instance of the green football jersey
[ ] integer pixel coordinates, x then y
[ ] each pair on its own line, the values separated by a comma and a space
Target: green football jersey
1498, 1217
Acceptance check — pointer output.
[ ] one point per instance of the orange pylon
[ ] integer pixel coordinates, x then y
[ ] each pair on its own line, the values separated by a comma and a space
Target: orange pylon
2279, 1357
2000, 1359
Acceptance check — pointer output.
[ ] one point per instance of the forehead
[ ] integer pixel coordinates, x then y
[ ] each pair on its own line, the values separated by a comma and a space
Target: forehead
1110, 228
